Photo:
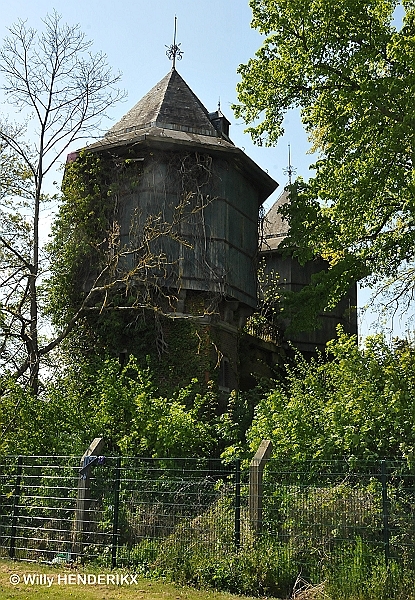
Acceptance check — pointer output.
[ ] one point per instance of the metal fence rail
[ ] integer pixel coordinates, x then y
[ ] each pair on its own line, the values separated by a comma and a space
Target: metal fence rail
329, 513
165, 503
37, 499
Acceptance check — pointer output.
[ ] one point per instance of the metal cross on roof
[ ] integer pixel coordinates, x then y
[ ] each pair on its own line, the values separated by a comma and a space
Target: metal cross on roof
174, 51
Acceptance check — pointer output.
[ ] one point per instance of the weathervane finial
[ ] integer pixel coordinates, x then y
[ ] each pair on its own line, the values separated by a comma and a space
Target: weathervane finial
174, 51
290, 170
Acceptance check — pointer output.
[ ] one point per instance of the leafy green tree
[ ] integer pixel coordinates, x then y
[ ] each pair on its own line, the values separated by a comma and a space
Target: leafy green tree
354, 403
351, 73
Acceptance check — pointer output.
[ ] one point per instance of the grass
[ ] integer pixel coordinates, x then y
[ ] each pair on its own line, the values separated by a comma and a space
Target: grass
151, 589
144, 589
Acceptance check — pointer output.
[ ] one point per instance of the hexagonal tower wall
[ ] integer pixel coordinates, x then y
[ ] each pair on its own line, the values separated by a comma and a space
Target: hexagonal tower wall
184, 154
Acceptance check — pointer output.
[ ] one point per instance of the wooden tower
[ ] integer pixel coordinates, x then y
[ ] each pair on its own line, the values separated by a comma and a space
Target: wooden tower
178, 163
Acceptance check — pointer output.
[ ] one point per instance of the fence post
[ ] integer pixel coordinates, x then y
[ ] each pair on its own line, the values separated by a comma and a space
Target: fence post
256, 469
83, 499
238, 503
15, 513
116, 509
385, 511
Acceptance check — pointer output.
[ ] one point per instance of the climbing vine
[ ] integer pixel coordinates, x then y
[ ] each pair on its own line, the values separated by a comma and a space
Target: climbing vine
123, 228
79, 233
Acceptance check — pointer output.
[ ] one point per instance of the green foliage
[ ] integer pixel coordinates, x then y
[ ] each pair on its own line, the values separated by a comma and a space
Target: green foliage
255, 571
140, 422
109, 270
123, 405
358, 403
187, 354
202, 553
79, 234
360, 574
351, 74
43, 424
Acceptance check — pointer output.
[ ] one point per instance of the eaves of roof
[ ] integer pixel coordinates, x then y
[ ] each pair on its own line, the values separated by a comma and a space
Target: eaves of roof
157, 138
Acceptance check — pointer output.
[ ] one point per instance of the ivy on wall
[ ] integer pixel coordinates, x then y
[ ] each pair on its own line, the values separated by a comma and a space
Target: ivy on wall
86, 238
79, 233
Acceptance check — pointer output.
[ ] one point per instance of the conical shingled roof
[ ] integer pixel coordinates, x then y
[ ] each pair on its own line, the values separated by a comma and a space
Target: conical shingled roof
172, 116
170, 104
276, 228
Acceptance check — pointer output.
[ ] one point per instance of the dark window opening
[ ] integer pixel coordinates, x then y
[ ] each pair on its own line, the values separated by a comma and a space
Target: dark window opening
224, 379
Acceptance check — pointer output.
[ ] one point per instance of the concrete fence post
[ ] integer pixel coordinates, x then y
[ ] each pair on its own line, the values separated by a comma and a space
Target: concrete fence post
83, 499
256, 469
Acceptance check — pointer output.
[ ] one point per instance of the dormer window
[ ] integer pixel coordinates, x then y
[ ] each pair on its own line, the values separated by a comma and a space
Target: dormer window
220, 122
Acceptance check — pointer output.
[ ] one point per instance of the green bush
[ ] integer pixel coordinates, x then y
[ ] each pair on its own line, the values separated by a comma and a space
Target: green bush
354, 403
121, 404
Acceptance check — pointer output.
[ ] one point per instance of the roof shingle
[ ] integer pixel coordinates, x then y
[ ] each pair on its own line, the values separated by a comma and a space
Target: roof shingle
170, 104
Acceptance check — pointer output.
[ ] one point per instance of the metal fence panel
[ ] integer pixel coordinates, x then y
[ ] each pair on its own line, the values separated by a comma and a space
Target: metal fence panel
38, 498
172, 504
151, 512
328, 514
135, 508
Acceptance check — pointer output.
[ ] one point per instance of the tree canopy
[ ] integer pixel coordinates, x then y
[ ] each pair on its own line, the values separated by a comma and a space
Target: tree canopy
351, 73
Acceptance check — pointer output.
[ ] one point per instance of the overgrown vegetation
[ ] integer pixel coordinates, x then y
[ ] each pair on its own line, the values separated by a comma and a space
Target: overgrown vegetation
323, 537
271, 570
354, 403
116, 262
355, 408
122, 404
266, 322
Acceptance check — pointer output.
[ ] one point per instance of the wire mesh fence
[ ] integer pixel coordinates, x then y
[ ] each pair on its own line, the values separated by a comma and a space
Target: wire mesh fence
335, 516
38, 498
151, 513
166, 505
128, 506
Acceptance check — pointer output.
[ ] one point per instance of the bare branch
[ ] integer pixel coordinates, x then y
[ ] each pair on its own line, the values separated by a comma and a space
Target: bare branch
53, 77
